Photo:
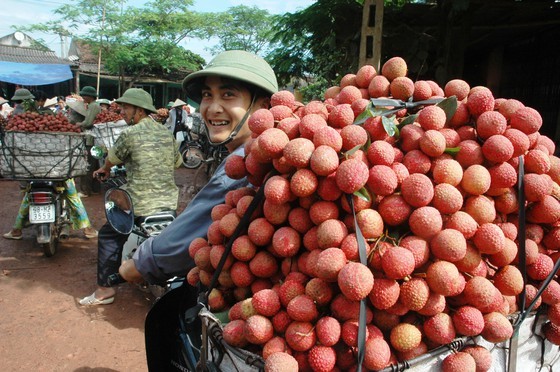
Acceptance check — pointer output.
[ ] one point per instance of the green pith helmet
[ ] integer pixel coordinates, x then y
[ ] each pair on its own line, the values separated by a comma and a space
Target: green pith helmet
169, 105
88, 91
238, 65
103, 101
138, 97
22, 94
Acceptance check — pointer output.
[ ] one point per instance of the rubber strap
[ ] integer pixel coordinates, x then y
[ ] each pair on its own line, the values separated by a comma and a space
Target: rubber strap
363, 260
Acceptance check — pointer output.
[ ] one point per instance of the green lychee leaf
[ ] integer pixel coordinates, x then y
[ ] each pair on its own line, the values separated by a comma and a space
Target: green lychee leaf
449, 106
351, 152
390, 127
363, 194
366, 114
452, 150
408, 120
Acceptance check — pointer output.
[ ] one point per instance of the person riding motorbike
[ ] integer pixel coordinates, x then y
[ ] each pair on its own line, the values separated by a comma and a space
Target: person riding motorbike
78, 213
151, 155
229, 89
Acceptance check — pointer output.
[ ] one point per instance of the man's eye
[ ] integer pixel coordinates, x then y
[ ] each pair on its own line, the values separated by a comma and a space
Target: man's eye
205, 94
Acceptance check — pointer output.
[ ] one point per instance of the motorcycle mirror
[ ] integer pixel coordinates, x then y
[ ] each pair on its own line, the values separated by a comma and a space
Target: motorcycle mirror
119, 211
97, 152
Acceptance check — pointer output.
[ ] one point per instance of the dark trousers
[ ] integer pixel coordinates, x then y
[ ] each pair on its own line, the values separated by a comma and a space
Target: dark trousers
109, 253
88, 184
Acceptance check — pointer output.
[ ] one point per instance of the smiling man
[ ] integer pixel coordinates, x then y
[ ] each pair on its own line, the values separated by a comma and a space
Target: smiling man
229, 89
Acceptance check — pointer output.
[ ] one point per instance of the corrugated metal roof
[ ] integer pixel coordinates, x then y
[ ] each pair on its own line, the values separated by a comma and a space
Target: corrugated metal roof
29, 55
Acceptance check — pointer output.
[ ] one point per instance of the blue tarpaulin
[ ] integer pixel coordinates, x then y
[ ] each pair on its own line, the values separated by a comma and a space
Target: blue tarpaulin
33, 74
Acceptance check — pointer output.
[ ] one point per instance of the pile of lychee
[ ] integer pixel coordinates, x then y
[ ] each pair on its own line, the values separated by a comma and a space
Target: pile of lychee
437, 205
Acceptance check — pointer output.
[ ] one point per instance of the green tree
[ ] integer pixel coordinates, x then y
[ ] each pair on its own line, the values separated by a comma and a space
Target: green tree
240, 27
319, 41
133, 41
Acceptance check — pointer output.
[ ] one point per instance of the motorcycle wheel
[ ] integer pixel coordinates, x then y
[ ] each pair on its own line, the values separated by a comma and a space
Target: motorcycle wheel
50, 248
192, 157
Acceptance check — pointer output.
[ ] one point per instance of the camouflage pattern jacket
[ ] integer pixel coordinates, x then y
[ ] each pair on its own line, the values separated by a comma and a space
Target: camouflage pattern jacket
150, 155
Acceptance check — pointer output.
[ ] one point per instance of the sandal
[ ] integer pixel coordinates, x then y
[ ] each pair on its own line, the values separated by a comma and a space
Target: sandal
11, 236
90, 233
91, 300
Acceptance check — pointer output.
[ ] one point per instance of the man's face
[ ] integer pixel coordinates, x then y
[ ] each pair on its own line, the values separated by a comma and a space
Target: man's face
222, 107
88, 99
129, 113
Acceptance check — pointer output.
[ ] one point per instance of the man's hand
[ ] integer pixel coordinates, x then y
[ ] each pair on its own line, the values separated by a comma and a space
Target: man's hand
101, 174
129, 273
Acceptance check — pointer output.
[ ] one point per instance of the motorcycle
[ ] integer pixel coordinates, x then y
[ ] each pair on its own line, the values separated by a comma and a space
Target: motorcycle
120, 215
49, 211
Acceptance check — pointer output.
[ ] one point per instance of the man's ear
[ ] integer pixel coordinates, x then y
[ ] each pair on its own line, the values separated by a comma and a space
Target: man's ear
263, 102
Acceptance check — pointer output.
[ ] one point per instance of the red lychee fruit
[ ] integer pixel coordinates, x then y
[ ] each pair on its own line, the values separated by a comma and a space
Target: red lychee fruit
355, 280
458, 88
431, 117
272, 142
479, 100
405, 337
283, 97
497, 328
402, 88
394, 67
352, 136
417, 190
258, 329
449, 245
439, 329
298, 152
281, 362
329, 263
468, 321
497, 148
379, 86
526, 119
476, 180
260, 120
425, 222
397, 262
352, 175
300, 336
459, 361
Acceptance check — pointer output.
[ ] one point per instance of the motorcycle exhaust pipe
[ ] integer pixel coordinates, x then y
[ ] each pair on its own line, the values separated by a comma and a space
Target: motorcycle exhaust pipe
64, 232
43, 233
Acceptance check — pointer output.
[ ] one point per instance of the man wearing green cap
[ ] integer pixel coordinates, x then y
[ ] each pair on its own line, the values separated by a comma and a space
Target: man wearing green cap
89, 95
151, 155
229, 89
21, 98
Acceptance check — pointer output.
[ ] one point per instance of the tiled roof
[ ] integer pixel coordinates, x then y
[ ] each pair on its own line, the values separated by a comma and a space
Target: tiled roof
29, 55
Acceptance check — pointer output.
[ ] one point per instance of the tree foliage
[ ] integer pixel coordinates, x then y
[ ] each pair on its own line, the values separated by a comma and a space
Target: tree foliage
321, 40
240, 27
133, 41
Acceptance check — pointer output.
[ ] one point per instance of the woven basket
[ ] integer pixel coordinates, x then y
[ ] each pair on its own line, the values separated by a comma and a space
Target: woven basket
42, 155
107, 133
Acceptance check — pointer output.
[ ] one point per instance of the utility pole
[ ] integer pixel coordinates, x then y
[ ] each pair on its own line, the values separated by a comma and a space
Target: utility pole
372, 33
100, 46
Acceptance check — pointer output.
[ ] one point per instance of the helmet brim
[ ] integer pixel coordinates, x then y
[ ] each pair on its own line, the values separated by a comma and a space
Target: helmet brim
191, 83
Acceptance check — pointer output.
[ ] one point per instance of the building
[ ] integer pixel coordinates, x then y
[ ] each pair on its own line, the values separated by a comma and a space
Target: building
25, 62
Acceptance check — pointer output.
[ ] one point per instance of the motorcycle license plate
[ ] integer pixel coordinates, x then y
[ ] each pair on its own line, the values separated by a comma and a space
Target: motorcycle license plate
41, 213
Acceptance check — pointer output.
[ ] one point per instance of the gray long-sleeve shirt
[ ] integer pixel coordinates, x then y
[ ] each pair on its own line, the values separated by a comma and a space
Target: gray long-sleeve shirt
166, 255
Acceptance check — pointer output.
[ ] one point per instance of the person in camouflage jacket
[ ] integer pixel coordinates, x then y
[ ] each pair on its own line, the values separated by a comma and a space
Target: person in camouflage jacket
151, 155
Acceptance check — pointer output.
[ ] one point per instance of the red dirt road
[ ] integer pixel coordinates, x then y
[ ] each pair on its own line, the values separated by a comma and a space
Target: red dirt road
42, 326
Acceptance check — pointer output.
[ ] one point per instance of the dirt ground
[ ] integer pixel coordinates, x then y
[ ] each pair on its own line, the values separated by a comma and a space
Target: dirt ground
42, 326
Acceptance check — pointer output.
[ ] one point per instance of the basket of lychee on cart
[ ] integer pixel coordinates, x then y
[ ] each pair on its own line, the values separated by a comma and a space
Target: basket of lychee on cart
41, 146
395, 225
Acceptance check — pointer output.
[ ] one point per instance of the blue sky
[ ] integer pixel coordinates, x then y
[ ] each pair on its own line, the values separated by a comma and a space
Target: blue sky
25, 12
